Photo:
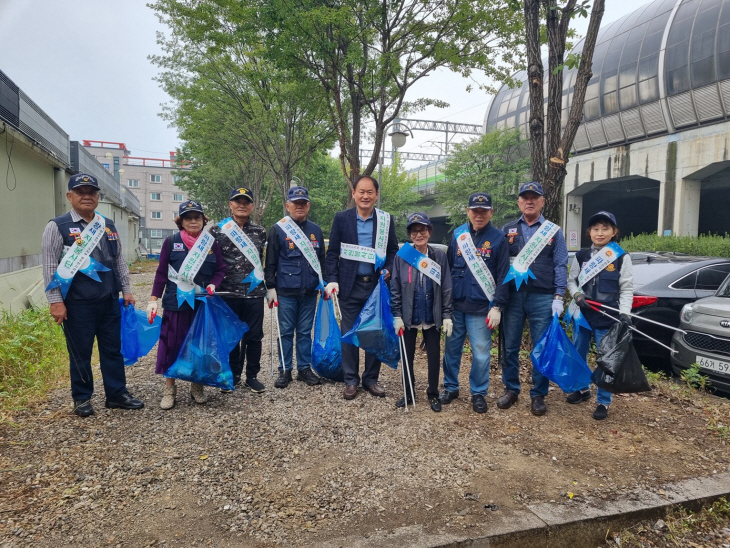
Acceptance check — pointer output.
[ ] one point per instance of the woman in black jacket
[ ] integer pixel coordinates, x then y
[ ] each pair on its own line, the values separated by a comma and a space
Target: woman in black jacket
422, 301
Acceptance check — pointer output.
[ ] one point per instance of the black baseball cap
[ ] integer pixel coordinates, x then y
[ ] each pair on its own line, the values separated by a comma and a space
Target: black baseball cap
241, 191
417, 219
480, 200
532, 186
297, 193
189, 207
82, 179
602, 215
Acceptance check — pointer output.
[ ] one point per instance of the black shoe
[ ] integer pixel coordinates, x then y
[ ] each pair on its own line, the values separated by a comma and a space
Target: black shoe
538, 407
83, 408
507, 400
402, 402
254, 385
125, 401
283, 380
435, 404
579, 396
308, 376
601, 412
447, 397
479, 404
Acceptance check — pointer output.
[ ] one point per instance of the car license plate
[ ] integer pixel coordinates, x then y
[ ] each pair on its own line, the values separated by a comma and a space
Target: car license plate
714, 365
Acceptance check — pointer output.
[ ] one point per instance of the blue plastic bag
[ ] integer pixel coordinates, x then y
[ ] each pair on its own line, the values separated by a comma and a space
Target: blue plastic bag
555, 357
203, 356
138, 335
326, 346
373, 329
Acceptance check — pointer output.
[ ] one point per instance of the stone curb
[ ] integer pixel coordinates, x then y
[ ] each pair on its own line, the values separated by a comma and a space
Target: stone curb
548, 525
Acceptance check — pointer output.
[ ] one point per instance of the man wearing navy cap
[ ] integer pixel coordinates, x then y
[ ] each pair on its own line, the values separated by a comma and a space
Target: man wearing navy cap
537, 300
292, 282
479, 260
88, 308
248, 306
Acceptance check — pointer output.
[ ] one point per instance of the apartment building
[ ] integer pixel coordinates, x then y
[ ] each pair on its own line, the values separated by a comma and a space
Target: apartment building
152, 181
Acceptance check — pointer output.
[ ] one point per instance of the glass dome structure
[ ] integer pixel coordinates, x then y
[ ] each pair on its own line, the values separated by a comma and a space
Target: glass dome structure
662, 68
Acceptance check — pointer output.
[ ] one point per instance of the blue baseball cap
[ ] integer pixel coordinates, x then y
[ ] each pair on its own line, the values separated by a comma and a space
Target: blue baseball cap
297, 193
241, 191
532, 186
82, 179
480, 200
417, 219
189, 207
602, 215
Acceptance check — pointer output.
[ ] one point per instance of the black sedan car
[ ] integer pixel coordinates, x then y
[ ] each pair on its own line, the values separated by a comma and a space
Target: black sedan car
663, 283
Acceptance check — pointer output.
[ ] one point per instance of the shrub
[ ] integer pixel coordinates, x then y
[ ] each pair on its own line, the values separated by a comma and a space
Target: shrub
711, 245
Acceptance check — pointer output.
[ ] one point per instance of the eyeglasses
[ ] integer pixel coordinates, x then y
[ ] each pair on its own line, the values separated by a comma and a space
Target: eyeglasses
423, 230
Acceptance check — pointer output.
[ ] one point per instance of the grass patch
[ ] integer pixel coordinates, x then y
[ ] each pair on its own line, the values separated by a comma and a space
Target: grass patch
143, 266
705, 245
33, 358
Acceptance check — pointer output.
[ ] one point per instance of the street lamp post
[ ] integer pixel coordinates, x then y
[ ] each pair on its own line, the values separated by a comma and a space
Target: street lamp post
398, 138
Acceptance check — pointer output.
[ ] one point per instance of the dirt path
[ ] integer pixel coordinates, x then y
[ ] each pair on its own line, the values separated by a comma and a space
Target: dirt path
301, 466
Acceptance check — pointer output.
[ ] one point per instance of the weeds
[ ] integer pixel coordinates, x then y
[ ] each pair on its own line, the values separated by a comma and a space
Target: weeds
694, 379
32, 358
707, 245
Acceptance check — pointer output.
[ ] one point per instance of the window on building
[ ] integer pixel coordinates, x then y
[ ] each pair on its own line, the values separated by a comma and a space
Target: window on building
176, 178
156, 244
155, 178
155, 196
155, 233
133, 183
156, 215
177, 197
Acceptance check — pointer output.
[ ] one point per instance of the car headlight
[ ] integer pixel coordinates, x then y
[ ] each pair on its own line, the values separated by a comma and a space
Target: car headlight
687, 313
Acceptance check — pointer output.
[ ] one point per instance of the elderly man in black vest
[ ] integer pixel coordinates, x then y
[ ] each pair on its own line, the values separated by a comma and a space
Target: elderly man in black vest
294, 264
83, 294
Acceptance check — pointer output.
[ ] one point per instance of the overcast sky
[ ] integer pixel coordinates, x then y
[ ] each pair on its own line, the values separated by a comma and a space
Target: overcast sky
84, 62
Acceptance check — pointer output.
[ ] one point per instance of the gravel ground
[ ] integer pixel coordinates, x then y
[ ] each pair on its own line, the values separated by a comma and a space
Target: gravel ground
302, 466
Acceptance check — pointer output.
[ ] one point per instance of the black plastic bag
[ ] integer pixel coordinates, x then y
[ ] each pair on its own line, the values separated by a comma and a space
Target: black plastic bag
618, 366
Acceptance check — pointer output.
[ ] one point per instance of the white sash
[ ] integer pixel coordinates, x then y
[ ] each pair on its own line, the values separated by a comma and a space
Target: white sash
190, 267
599, 262
300, 239
370, 255
78, 257
243, 243
520, 268
427, 267
475, 263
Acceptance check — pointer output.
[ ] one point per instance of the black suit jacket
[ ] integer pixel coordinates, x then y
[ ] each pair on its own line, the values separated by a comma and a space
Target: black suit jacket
344, 231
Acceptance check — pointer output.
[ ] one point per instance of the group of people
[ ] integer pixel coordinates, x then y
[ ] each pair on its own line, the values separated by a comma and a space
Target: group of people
487, 277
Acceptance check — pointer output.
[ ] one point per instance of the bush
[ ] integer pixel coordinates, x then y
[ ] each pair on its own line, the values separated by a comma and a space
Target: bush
705, 245
33, 358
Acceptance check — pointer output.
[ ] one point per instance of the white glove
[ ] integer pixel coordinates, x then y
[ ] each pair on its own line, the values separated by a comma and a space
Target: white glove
271, 298
493, 318
332, 287
210, 288
151, 311
448, 327
398, 325
558, 307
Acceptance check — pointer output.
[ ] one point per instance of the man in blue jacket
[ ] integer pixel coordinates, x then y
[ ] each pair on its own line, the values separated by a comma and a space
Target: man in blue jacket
479, 260
538, 298
357, 236
292, 283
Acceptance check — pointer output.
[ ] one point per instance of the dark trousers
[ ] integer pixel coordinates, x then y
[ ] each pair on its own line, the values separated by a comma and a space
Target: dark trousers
351, 308
432, 339
250, 311
85, 321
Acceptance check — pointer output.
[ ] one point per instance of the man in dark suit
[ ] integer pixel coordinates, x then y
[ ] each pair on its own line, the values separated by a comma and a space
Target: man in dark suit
361, 240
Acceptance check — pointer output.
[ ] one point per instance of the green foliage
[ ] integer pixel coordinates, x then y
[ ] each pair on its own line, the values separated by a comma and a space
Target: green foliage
711, 245
398, 195
327, 190
496, 162
32, 357
694, 379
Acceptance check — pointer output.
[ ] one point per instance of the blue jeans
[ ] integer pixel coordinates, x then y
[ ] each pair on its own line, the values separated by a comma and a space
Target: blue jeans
581, 341
537, 308
480, 338
296, 313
